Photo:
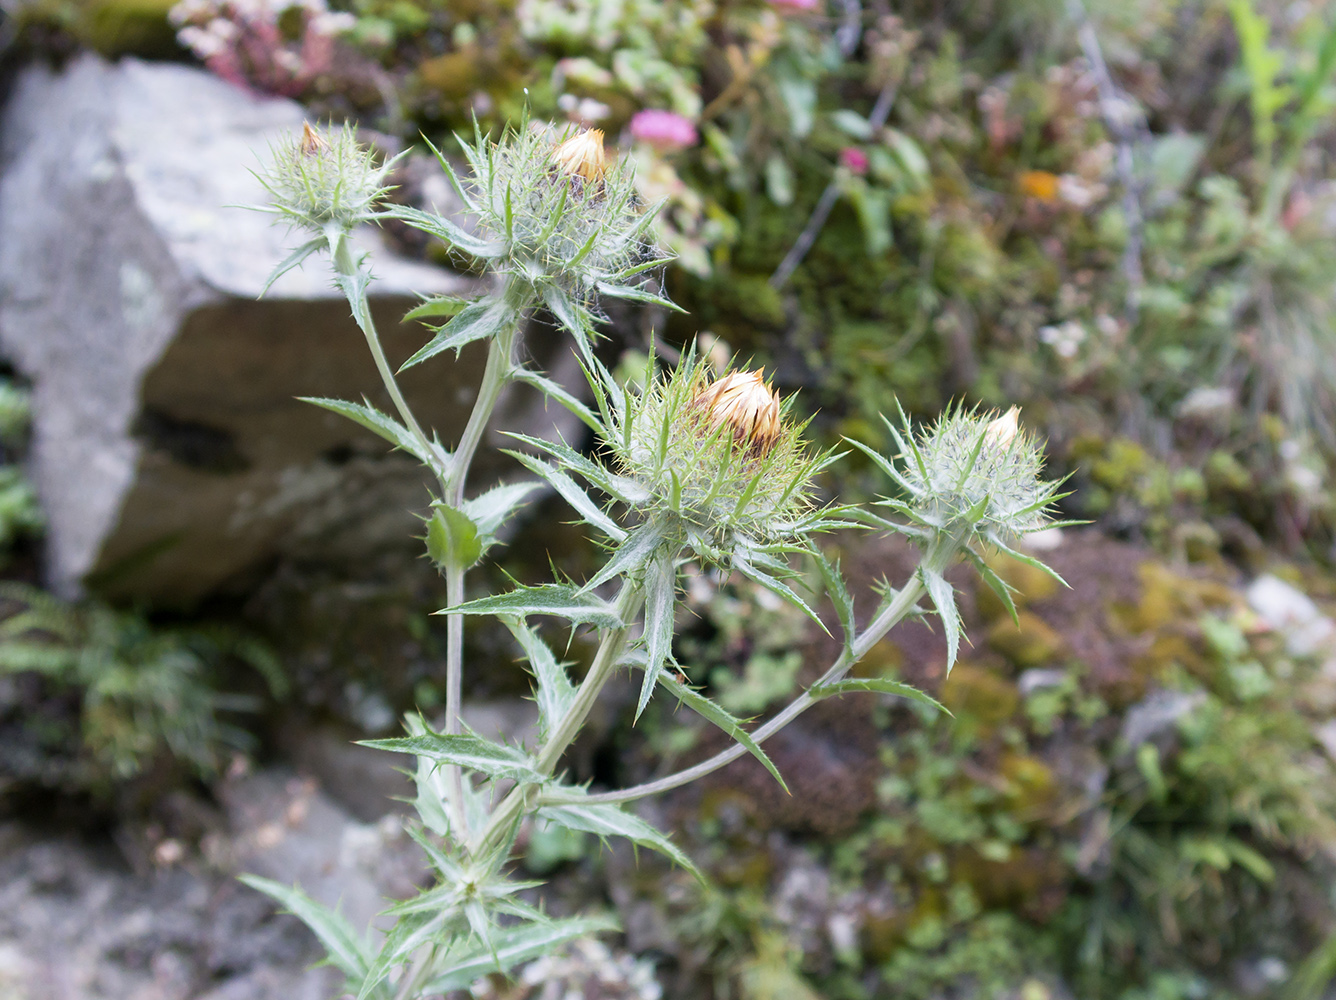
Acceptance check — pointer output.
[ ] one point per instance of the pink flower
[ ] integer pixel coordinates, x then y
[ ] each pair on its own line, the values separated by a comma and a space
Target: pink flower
666, 131
796, 4
854, 159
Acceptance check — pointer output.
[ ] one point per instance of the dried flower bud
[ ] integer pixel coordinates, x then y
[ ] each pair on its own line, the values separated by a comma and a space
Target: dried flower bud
582, 155
744, 402
1002, 431
312, 143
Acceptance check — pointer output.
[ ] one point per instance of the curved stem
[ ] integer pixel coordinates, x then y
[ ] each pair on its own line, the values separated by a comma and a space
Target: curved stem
353, 279
900, 605
610, 648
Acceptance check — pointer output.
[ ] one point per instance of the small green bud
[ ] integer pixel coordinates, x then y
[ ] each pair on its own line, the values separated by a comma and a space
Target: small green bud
325, 180
977, 472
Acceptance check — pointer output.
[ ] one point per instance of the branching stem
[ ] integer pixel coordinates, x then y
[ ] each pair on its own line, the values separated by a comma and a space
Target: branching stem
894, 612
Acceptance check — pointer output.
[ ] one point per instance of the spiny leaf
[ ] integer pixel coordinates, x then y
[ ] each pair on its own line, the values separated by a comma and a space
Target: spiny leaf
440, 306
555, 690
294, 259
943, 597
660, 601
557, 392
633, 294
556, 599
472, 752
573, 495
446, 231
607, 819
876, 685
476, 321
345, 949
630, 556
721, 717
378, 423
491, 509
512, 946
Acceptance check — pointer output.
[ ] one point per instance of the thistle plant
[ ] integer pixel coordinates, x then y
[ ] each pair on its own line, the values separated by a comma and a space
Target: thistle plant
692, 468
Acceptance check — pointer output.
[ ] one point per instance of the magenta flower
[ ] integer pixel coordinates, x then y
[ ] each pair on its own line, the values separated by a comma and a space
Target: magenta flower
666, 131
854, 159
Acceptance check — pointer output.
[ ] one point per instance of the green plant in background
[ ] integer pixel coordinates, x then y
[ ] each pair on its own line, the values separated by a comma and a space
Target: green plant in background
143, 691
693, 470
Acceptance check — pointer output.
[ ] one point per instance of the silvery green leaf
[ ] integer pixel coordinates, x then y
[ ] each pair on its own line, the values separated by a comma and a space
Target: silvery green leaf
446, 231
634, 294
999, 586
839, 596
346, 950
434, 792
556, 599
721, 717
468, 751
476, 321
294, 259
409, 933
660, 602
618, 487
512, 946
452, 537
555, 691
630, 556
378, 423
745, 565
573, 495
607, 819
439, 306
574, 317
555, 391
491, 509
993, 539
884, 464
875, 685
943, 597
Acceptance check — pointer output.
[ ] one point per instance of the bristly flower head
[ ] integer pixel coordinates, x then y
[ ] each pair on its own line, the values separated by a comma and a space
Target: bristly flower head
323, 180
557, 215
971, 474
720, 456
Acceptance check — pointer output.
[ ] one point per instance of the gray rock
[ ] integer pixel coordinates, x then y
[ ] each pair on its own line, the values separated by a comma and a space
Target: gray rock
1292, 613
168, 449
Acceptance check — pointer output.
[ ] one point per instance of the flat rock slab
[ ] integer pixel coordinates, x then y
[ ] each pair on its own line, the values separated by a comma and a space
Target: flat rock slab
171, 456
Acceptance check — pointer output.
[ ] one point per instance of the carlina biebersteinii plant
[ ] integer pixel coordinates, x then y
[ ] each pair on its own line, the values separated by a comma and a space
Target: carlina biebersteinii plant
693, 468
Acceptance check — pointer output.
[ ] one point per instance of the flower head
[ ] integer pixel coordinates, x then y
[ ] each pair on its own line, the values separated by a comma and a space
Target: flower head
719, 458
743, 402
854, 160
666, 131
582, 155
970, 474
320, 179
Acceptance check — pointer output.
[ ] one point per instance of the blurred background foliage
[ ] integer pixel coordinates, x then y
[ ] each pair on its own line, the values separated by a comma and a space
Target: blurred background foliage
1120, 216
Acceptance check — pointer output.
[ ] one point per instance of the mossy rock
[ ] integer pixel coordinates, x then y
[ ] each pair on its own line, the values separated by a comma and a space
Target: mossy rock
1027, 642
128, 27
980, 694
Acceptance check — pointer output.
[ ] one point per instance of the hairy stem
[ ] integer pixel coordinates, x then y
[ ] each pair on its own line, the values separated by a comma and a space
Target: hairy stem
611, 645
353, 279
890, 616
500, 360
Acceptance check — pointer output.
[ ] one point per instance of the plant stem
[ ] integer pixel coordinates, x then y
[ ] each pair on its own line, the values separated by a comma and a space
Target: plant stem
891, 615
353, 279
610, 647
